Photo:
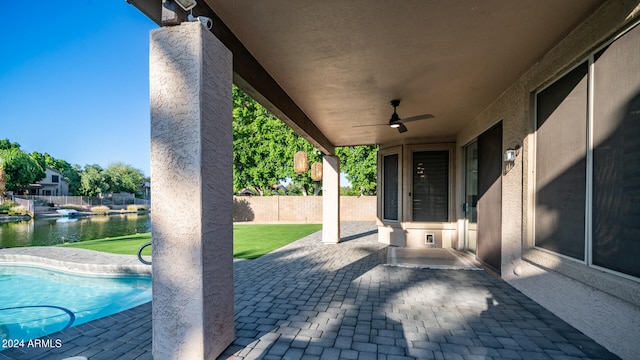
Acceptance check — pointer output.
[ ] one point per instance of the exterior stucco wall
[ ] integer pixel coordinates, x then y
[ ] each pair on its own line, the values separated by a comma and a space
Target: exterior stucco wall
59, 188
607, 315
191, 165
331, 199
405, 232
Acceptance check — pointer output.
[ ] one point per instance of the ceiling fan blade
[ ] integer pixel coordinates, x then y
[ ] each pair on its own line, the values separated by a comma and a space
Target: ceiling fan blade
402, 128
415, 118
363, 125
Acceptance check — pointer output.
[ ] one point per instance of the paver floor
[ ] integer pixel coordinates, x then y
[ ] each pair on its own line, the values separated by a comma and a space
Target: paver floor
310, 300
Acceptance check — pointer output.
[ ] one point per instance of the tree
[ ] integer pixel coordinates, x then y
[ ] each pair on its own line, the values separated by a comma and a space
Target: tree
6, 144
348, 191
117, 177
93, 180
360, 165
260, 142
263, 150
124, 178
20, 168
3, 181
72, 175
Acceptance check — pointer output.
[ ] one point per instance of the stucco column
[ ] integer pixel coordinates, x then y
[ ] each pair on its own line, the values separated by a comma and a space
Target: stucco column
330, 199
192, 203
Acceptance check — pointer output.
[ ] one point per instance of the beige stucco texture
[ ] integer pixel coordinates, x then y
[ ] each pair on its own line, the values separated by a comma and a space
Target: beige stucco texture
191, 165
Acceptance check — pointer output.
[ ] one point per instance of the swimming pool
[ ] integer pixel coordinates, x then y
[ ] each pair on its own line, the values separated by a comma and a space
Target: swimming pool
35, 302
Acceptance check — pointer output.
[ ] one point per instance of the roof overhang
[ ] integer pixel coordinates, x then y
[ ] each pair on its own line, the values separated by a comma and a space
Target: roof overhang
324, 67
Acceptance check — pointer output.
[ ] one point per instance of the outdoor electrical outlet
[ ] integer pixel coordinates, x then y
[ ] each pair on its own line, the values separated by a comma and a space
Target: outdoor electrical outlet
429, 238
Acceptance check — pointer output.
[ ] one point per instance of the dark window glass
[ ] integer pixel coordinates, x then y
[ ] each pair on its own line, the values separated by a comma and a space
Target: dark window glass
390, 186
55, 178
616, 156
430, 195
561, 164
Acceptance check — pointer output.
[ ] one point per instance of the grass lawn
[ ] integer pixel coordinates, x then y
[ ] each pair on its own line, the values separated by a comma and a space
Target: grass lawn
127, 244
252, 241
249, 241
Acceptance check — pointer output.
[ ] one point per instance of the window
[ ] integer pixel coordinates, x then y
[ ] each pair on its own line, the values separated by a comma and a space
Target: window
561, 152
616, 156
587, 159
430, 194
390, 187
55, 179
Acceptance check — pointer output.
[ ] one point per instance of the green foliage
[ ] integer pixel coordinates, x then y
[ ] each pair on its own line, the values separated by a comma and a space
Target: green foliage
136, 208
263, 150
360, 165
94, 181
3, 181
5, 206
19, 167
18, 210
117, 177
124, 178
5, 144
294, 189
260, 141
100, 210
348, 191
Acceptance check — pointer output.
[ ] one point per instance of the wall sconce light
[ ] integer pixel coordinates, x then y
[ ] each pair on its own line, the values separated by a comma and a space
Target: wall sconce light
511, 153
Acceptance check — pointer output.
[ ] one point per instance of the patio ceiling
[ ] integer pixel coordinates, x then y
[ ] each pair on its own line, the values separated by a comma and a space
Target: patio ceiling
341, 62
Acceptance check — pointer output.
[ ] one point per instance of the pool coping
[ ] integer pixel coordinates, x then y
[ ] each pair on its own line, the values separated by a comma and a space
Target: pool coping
77, 261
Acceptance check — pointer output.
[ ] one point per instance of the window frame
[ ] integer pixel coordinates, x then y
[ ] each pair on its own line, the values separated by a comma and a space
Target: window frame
408, 182
589, 174
395, 150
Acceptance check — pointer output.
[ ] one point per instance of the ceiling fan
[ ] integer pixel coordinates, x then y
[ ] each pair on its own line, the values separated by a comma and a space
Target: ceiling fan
395, 121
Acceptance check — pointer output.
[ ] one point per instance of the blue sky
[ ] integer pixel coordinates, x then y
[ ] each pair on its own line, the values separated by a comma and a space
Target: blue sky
74, 81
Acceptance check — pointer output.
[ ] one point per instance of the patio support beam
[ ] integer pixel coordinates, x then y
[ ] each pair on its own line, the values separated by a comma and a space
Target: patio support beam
191, 162
253, 79
330, 199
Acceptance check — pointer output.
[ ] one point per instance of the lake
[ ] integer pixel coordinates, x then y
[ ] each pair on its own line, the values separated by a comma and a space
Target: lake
42, 232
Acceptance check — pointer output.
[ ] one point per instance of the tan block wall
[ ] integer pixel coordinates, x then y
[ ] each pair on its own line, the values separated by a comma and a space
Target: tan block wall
358, 208
303, 209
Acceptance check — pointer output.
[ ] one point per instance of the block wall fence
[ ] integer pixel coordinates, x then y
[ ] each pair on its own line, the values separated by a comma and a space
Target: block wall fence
300, 209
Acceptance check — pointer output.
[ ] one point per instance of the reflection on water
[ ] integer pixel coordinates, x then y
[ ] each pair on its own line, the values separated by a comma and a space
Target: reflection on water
42, 232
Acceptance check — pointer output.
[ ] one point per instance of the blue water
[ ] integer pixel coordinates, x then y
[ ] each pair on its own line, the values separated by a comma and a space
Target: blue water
35, 302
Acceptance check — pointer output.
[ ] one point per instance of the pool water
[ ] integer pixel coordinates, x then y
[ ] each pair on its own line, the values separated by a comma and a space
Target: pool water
35, 302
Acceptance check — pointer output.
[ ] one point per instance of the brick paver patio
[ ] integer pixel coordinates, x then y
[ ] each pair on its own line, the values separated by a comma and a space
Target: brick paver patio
309, 300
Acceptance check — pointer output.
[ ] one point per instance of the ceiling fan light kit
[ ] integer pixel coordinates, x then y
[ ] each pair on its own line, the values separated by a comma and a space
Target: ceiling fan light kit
396, 122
